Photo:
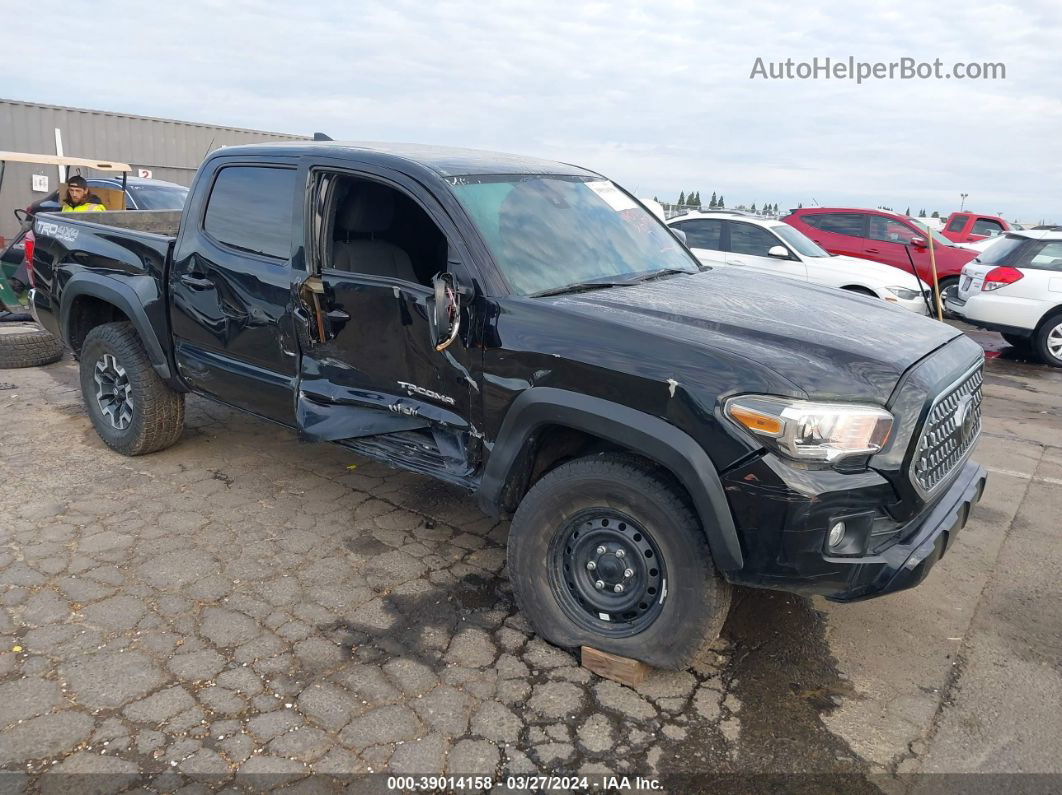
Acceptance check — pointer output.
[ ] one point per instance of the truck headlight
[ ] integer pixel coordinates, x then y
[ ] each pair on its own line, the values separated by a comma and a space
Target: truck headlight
904, 293
807, 431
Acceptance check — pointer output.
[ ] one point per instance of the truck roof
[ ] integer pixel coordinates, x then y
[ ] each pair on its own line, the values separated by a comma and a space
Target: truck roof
444, 161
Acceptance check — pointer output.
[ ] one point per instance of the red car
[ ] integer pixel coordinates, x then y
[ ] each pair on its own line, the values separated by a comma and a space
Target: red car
969, 227
882, 236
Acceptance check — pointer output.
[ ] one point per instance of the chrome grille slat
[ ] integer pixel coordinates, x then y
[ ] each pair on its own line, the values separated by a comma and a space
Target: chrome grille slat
942, 444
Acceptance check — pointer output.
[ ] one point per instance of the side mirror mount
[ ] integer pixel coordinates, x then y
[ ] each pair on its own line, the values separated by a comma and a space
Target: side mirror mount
919, 242
681, 236
781, 252
445, 312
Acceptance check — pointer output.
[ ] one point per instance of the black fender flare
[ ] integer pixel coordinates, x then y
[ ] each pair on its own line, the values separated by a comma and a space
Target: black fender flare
126, 299
648, 435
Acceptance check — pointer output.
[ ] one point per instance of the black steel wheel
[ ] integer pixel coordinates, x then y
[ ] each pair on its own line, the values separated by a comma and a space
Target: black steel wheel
608, 573
605, 552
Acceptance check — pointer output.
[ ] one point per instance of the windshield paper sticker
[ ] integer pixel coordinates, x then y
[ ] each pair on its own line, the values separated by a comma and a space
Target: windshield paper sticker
613, 196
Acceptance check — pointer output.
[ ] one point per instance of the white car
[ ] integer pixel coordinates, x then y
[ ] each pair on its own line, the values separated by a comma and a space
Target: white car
1015, 287
771, 247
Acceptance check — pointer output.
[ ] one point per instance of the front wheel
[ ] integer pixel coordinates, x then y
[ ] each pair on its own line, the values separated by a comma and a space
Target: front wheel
132, 409
1049, 341
603, 552
949, 290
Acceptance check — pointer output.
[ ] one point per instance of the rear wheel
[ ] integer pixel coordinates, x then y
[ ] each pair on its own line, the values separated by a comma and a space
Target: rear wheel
1049, 341
27, 345
603, 552
132, 409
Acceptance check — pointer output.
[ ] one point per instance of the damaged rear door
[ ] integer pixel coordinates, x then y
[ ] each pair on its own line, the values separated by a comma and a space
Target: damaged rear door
370, 376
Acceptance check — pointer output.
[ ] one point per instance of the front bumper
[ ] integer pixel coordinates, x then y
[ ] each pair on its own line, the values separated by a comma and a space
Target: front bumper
793, 556
916, 305
906, 564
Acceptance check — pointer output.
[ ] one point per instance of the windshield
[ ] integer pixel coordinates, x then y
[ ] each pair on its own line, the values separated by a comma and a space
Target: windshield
796, 239
547, 232
938, 239
158, 197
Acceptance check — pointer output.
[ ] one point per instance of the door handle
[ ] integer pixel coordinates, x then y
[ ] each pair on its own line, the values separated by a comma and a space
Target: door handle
871, 250
736, 262
196, 282
337, 315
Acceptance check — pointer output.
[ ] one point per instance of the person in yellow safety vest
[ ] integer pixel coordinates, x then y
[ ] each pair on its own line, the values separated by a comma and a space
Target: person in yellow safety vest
79, 200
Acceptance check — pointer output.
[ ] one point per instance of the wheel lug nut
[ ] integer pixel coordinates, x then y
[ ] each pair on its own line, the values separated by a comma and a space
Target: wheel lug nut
628, 573
620, 553
618, 588
601, 550
599, 585
591, 565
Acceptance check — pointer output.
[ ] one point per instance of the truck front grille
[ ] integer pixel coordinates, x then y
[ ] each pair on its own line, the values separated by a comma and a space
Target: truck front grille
950, 431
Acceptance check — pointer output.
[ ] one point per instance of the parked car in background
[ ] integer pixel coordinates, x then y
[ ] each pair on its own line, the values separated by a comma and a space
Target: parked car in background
140, 194
971, 227
1015, 288
883, 236
929, 221
745, 242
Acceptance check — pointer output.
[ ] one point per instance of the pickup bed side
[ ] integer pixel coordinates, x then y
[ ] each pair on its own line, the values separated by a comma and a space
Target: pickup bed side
87, 275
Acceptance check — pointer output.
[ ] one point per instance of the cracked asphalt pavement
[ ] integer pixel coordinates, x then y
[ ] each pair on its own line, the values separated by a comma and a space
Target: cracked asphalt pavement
243, 603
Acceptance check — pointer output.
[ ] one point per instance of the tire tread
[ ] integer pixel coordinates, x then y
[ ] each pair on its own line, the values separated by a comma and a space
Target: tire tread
35, 348
655, 482
161, 408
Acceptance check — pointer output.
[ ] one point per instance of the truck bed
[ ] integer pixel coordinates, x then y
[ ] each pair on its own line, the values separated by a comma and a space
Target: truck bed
158, 222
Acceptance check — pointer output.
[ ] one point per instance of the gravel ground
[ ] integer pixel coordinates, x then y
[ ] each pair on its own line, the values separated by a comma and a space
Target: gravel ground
246, 604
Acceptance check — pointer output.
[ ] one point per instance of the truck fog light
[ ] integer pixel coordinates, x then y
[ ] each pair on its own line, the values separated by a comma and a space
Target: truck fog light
836, 534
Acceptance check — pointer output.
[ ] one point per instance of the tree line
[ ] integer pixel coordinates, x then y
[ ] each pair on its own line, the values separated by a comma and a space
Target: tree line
717, 202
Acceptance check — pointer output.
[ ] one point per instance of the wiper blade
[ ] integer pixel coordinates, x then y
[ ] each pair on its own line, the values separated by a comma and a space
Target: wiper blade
576, 287
645, 277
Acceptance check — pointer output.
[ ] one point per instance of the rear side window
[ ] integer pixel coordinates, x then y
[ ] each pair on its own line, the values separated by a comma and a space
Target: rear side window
1045, 256
250, 209
957, 223
703, 233
987, 227
1001, 252
850, 224
751, 240
889, 231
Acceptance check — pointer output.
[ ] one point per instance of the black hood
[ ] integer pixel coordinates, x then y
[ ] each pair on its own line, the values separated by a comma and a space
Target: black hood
831, 344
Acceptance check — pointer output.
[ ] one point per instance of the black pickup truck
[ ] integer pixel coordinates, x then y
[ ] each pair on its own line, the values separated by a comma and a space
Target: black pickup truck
527, 330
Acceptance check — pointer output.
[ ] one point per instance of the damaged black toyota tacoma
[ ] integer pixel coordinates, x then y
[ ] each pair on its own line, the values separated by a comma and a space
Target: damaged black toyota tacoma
658, 431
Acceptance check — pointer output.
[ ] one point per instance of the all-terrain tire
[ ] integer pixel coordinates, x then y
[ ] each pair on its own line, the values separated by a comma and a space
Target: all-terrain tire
646, 505
156, 416
28, 346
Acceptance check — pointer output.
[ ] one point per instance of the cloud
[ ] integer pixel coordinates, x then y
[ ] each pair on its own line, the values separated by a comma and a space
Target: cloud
658, 95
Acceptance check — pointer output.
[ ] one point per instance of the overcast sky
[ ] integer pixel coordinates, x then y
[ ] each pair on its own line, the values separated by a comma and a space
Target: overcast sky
655, 95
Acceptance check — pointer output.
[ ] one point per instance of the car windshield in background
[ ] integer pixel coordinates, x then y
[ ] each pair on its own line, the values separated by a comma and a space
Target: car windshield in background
547, 232
796, 239
158, 197
938, 239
